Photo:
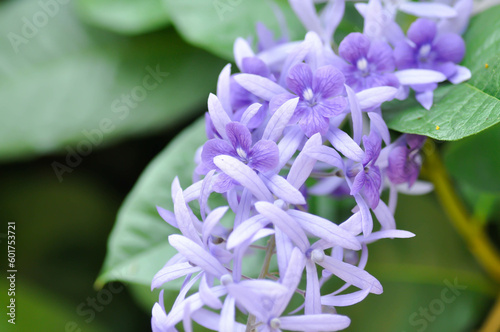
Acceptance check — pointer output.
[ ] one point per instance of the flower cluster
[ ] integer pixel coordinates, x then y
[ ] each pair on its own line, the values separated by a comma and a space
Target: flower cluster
299, 121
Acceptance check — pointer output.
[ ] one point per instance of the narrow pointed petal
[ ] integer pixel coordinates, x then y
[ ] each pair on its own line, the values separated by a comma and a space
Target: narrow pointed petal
183, 218
260, 86
345, 300
172, 272
330, 17
425, 99
313, 295
223, 91
206, 189
289, 145
168, 216
387, 234
207, 296
353, 225
352, 275
284, 249
366, 216
357, 117
419, 76
427, 9
344, 143
244, 175
242, 50
284, 222
227, 315
297, 55
418, 188
303, 165
381, 127
327, 155
197, 255
384, 216
306, 12
325, 229
246, 230
290, 280
283, 189
374, 97
279, 120
249, 113
218, 115
212, 220
319, 322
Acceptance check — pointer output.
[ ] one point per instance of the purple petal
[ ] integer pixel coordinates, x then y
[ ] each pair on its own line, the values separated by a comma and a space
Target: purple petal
260, 86
331, 16
380, 54
325, 229
197, 255
371, 190
462, 74
183, 217
289, 145
223, 183
326, 154
419, 76
227, 315
283, 189
246, 230
449, 47
405, 55
425, 99
344, 143
242, 50
250, 113
331, 107
255, 66
366, 216
357, 117
313, 295
328, 81
422, 31
303, 165
427, 9
206, 295
374, 97
223, 91
352, 274
354, 47
387, 234
306, 12
213, 148
279, 120
296, 55
300, 79
212, 220
168, 216
218, 115
381, 127
290, 280
384, 216
284, 249
239, 136
459, 23
244, 175
358, 183
172, 272
284, 222
264, 156
353, 224
206, 189
313, 122
319, 322
345, 300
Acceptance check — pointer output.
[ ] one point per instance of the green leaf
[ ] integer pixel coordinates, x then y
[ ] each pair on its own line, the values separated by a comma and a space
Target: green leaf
124, 16
138, 245
62, 80
467, 108
215, 25
476, 161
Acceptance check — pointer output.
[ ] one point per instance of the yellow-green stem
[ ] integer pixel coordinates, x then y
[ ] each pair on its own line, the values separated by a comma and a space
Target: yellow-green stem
492, 323
471, 230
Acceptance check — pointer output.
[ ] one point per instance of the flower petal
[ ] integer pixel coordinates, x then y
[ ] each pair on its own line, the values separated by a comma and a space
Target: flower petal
223, 91
319, 322
279, 120
172, 272
419, 76
260, 86
300, 78
427, 9
283, 189
328, 81
303, 165
313, 295
218, 115
239, 136
344, 143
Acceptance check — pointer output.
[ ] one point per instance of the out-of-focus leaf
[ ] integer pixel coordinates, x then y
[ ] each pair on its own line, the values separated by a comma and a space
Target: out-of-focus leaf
476, 161
63, 84
467, 108
124, 16
138, 246
215, 25
415, 273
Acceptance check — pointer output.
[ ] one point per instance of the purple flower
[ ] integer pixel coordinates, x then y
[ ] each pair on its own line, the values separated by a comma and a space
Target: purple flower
429, 50
404, 159
370, 63
367, 177
262, 157
319, 96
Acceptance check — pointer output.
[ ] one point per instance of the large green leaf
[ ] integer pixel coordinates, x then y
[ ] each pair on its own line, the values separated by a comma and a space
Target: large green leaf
138, 246
124, 16
476, 161
470, 107
214, 25
65, 79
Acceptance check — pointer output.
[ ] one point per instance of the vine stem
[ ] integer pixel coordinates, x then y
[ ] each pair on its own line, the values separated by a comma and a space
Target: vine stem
471, 230
492, 322
271, 245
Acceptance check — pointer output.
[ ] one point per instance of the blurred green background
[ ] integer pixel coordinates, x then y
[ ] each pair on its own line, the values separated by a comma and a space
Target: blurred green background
80, 121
